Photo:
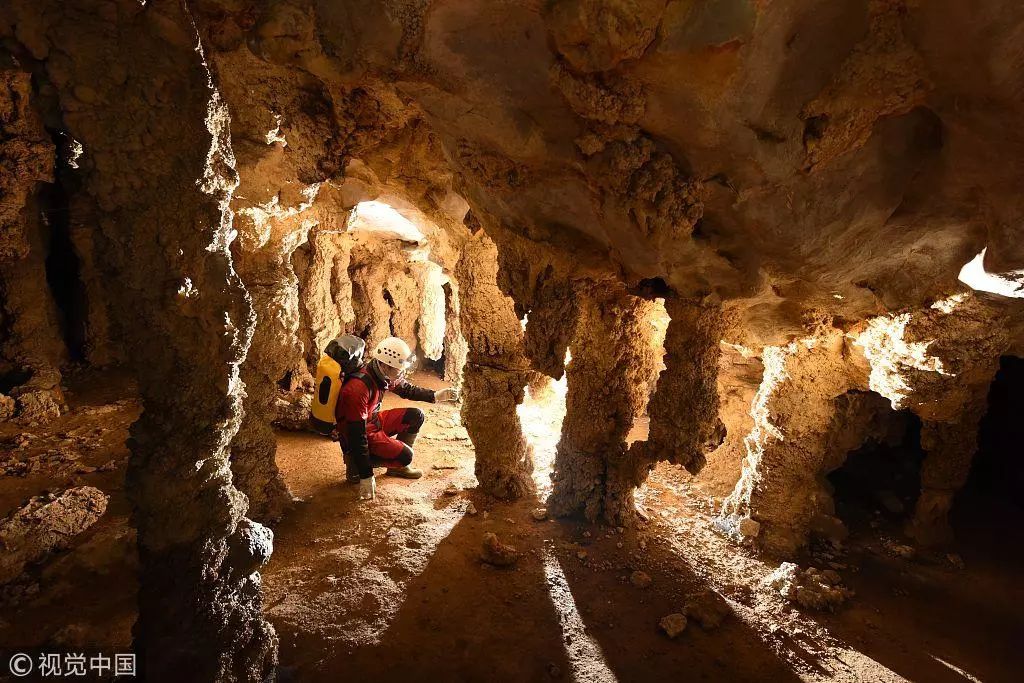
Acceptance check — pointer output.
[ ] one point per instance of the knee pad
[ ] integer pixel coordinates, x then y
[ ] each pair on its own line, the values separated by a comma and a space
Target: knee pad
414, 418
405, 457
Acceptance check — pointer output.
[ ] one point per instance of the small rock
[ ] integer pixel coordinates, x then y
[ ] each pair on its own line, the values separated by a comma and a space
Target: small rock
898, 549
7, 407
673, 624
707, 609
471, 509
956, 561
540, 514
890, 501
748, 528
582, 555
586, 534
640, 579
451, 490
497, 553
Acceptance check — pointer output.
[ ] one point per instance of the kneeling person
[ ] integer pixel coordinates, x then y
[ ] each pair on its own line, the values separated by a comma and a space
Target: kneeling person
371, 437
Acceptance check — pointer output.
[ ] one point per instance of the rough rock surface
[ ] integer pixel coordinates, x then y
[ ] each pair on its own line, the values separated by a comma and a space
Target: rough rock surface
803, 180
673, 624
494, 377
46, 524
811, 588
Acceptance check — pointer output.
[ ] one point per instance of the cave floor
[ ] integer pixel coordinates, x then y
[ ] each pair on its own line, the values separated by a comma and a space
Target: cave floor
395, 590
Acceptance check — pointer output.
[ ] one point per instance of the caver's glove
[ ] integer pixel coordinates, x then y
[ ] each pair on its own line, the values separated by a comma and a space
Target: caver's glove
451, 395
367, 488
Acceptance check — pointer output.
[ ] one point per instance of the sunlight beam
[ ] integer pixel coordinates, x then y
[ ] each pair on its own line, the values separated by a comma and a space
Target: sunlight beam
585, 657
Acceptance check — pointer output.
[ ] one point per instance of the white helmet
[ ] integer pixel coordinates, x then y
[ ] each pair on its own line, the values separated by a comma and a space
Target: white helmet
394, 353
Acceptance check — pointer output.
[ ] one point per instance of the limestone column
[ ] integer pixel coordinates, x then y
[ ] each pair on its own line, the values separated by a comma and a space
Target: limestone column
455, 349
684, 407
325, 291
495, 374
607, 380
273, 289
949, 447
137, 94
779, 491
33, 342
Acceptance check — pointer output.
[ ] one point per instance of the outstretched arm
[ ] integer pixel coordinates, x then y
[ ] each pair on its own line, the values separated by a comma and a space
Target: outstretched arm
412, 392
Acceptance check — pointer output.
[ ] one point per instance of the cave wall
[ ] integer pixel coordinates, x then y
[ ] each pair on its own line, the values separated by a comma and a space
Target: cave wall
937, 362
32, 344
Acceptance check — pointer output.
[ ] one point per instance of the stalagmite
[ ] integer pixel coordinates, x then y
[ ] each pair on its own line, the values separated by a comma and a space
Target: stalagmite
608, 377
494, 376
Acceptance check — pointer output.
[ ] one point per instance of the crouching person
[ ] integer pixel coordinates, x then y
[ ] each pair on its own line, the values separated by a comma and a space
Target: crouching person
371, 437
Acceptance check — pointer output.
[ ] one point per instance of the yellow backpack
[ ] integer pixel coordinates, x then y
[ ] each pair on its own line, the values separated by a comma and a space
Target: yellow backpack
342, 357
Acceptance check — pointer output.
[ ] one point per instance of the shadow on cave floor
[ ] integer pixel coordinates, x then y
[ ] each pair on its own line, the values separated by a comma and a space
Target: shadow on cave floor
395, 590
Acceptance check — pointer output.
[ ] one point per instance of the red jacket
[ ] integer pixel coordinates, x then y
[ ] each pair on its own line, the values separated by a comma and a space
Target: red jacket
358, 409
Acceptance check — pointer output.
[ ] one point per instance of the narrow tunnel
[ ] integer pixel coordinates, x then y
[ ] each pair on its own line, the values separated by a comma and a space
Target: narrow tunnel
63, 270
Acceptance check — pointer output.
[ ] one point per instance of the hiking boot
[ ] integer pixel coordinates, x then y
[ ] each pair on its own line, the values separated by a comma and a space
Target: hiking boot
404, 472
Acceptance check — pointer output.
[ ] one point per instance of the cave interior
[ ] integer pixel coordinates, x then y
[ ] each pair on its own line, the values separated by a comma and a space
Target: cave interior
731, 293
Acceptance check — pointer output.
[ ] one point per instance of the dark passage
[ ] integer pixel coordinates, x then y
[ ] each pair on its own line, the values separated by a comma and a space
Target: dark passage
880, 481
63, 271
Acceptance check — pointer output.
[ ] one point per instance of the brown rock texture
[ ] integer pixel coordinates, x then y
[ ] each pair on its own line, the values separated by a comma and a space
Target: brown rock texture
495, 375
46, 524
608, 380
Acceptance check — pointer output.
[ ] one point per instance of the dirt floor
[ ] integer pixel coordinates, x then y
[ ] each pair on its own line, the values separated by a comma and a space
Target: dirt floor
395, 590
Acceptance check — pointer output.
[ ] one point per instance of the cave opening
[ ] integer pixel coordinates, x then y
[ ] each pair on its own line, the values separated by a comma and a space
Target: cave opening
541, 415
879, 481
62, 265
